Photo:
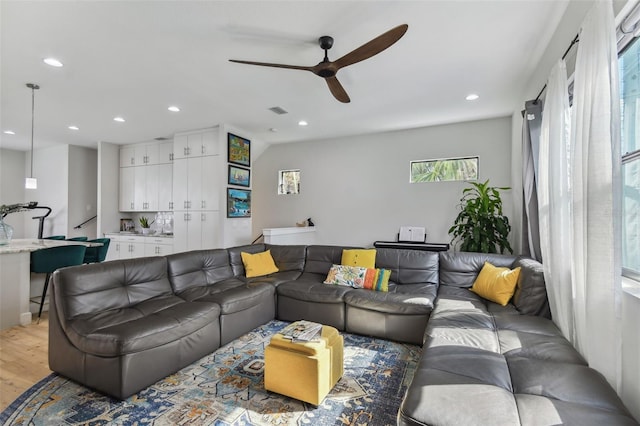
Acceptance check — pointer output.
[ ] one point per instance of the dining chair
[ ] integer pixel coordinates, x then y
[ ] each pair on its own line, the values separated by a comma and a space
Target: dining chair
97, 254
56, 237
48, 260
77, 239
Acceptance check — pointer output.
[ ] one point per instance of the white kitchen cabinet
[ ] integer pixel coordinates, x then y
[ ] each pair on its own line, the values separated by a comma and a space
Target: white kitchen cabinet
127, 156
196, 230
165, 152
158, 246
195, 183
146, 154
196, 144
165, 187
127, 189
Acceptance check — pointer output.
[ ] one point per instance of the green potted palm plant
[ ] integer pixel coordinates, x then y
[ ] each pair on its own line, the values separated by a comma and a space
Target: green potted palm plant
480, 226
145, 224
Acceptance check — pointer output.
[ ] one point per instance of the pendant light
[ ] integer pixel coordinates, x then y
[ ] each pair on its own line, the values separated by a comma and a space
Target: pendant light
31, 182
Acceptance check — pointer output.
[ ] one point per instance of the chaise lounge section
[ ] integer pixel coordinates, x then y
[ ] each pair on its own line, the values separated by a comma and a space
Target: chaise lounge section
120, 326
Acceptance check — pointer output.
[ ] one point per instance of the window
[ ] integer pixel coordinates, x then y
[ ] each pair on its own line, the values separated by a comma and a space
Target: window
630, 139
444, 170
288, 182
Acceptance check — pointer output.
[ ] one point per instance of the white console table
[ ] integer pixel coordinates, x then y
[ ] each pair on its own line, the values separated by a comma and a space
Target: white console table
305, 235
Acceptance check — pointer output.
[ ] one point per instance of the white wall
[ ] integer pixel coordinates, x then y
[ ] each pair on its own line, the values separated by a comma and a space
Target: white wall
357, 189
108, 188
12, 175
83, 184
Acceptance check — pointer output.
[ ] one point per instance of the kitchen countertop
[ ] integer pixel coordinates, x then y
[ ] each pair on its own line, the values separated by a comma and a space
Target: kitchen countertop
137, 234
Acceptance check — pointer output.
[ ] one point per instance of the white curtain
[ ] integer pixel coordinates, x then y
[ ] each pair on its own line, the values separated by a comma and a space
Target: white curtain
580, 198
595, 180
554, 199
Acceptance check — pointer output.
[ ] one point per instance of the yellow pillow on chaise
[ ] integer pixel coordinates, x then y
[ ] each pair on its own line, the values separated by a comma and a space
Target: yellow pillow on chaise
259, 264
496, 284
365, 258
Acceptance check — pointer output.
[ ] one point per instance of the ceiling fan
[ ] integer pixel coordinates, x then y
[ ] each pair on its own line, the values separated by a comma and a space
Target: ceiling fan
327, 69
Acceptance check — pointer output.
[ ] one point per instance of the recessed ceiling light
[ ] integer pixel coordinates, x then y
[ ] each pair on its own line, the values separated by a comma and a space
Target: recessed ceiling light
174, 109
53, 62
302, 123
9, 132
273, 129
73, 128
472, 97
118, 119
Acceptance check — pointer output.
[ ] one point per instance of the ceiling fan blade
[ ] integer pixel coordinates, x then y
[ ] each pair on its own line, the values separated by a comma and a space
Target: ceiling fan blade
337, 90
373, 47
267, 64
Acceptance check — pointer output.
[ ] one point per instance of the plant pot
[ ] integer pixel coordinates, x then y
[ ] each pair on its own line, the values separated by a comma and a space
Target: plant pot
6, 232
146, 231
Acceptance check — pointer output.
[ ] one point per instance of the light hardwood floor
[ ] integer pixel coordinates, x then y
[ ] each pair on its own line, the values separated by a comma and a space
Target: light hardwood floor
23, 359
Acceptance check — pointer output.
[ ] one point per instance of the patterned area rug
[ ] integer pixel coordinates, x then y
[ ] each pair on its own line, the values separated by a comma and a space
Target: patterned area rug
227, 388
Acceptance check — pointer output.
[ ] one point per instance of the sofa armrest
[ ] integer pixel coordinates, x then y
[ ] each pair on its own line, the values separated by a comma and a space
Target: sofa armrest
530, 297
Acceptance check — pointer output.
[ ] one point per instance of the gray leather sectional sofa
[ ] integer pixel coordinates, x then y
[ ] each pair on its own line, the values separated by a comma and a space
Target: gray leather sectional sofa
120, 326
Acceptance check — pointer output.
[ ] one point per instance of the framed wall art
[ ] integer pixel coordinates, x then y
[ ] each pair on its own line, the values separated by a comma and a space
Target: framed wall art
238, 202
239, 176
238, 150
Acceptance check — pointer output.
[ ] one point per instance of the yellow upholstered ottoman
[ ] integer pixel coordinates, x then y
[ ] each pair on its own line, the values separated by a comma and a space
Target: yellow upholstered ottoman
304, 370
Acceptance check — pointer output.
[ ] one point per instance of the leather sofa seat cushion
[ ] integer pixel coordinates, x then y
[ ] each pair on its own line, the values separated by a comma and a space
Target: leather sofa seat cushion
203, 290
320, 259
147, 325
394, 303
198, 268
313, 291
238, 299
275, 279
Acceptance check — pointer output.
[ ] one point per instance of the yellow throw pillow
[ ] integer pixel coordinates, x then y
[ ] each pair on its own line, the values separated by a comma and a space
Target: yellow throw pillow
365, 258
496, 284
259, 264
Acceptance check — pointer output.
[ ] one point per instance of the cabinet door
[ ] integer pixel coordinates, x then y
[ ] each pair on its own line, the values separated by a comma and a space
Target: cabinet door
139, 188
127, 156
180, 231
140, 155
152, 155
165, 152
210, 229
180, 184
180, 145
209, 182
127, 188
113, 252
194, 231
157, 247
194, 145
209, 143
194, 184
165, 187
152, 174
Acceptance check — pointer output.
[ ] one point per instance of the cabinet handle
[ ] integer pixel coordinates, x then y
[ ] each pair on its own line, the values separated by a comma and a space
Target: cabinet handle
132, 205
170, 205
203, 149
203, 204
118, 247
203, 217
132, 161
171, 156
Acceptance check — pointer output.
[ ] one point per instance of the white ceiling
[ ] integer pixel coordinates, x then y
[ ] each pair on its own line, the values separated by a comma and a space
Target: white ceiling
136, 58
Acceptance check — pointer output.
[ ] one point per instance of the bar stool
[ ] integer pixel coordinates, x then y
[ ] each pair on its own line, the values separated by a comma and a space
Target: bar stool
77, 239
56, 237
97, 254
48, 260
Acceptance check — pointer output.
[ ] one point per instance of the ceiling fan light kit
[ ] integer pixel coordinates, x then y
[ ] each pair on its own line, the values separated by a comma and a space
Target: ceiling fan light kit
328, 69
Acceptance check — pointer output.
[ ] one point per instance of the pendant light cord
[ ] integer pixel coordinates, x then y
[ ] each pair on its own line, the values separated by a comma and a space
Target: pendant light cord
33, 88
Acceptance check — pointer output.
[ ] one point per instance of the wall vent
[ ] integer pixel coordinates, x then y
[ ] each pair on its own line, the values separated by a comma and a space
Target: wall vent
162, 138
278, 110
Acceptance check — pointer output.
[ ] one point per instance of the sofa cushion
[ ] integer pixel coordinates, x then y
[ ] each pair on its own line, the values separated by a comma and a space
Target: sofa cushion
198, 292
258, 264
313, 290
394, 303
495, 283
238, 299
530, 297
274, 279
198, 268
460, 269
409, 266
288, 258
235, 256
320, 258
98, 287
143, 326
